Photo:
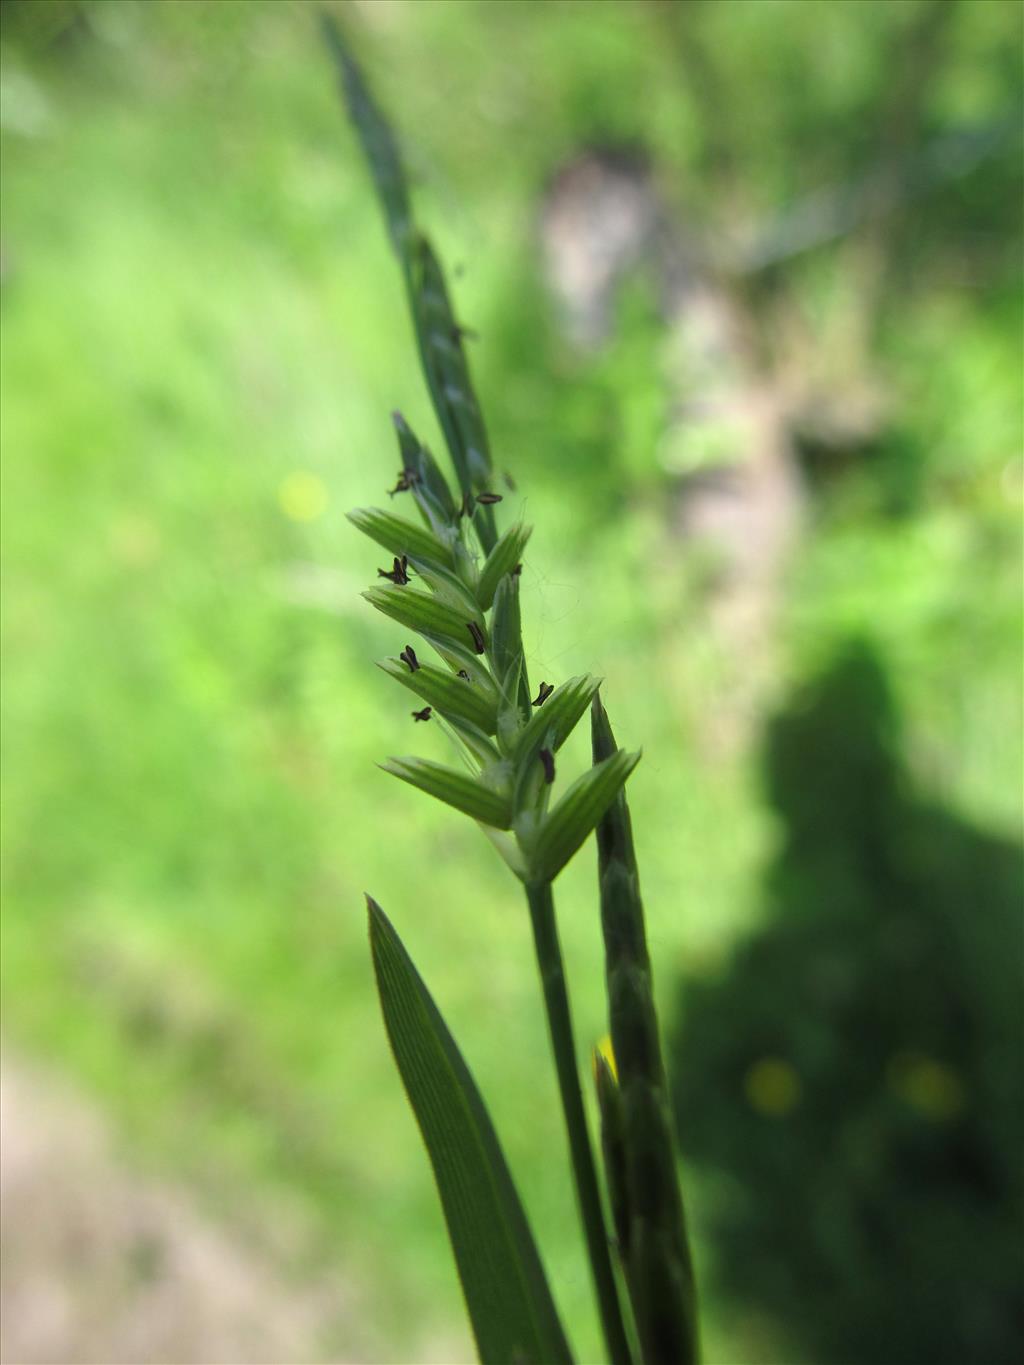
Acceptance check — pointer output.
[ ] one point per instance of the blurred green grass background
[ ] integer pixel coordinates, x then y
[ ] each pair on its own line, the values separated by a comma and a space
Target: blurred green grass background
203, 337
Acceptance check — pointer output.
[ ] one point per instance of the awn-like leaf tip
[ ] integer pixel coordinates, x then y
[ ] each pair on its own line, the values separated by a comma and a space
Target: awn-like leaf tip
373, 907
399, 421
376, 920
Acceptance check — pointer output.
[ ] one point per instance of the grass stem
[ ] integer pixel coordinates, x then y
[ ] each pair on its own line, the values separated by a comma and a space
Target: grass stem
556, 1000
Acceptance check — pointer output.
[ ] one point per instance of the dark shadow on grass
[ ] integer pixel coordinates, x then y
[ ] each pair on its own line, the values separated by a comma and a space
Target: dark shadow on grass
851, 1085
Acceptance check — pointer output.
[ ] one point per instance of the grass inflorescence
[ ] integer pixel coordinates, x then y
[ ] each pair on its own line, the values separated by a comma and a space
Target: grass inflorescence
454, 581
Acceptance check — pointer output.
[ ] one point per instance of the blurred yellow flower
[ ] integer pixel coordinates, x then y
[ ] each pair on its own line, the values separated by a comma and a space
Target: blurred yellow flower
604, 1049
931, 1087
303, 496
773, 1087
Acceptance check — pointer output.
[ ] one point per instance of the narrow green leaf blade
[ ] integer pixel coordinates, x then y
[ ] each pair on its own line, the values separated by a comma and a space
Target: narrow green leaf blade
513, 1315
654, 1245
447, 692
399, 536
442, 340
378, 141
445, 368
502, 560
566, 826
468, 794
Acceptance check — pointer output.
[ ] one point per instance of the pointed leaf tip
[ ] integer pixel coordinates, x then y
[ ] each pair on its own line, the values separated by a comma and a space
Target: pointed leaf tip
602, 738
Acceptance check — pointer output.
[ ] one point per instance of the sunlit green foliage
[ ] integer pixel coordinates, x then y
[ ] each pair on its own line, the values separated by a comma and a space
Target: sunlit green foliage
202, 326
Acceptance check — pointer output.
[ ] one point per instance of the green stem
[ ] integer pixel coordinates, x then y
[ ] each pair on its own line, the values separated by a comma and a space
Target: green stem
556, 1000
